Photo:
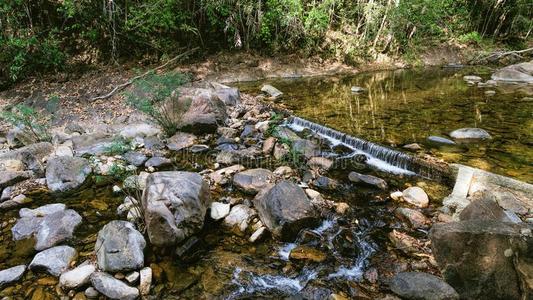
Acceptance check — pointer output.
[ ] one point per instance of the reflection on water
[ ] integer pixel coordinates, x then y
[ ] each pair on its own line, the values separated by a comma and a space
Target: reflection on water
407, 106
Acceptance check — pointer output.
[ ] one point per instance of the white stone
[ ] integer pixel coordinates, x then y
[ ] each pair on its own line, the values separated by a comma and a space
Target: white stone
132, 277
146, 280
77, 277
416, 196
219, 210
257, 234
396, 196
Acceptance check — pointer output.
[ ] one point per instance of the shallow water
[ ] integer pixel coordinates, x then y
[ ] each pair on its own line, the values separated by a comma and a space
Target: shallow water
407, 106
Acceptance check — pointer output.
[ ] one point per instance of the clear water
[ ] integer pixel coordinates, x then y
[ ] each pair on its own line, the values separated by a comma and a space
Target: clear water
407, 106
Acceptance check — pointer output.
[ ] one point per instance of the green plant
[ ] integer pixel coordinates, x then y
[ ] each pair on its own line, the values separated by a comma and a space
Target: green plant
471, 37
118, 146
151, 95
33, 127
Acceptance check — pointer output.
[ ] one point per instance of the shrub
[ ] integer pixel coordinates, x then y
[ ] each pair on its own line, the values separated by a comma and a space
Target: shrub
34, 128
118, 146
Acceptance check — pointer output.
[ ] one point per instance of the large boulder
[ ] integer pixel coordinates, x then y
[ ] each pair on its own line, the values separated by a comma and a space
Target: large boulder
519, 73
175, 204
31, 156
253, 180
205, 113
229, 95
8, 178
54, 261
65, 173
112, 287
422, 286
285, 210
470, 134
119, 247
485, 259
50, 225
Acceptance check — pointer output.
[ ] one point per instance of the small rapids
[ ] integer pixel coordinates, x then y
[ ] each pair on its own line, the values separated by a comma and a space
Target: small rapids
380, 157
247, 284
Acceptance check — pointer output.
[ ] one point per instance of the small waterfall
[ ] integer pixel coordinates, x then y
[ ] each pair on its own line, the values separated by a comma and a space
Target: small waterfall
378, 156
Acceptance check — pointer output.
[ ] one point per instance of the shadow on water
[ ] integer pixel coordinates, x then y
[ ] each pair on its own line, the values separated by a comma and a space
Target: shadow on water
406, 106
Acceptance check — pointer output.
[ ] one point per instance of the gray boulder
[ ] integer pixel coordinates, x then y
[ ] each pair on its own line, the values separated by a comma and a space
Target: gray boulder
8, 178
11, 275
135, 158
65, 173
285, 210
518, 73
175, 204
253, 180
120, 247
112, 287
54, 261
230, 96
158, 162
422, 286
181, 140
470, 134
368, 179
205, 113
31, 156
484, 209
485, 259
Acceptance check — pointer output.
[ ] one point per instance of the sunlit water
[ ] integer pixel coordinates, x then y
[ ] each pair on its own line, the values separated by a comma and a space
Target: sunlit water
407, 106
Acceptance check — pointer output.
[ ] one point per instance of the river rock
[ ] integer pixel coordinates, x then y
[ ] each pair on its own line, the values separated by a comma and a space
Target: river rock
415, 218
368, 179
518, 73
253, 180
416, 196
54, 261
112, 287
219, 210
145, 281
205, 113
8, 178
6, 194
271, 91
135, 158
158, 162
306, 148
229, 95
321, 163
120, 247
13, 165
303, 252
285, 210
11, 275
77, 277
239, 218
142, 130
268, 145
175, 204
484, 209
91, 293
181, 140
357, 89
485, 259
470, 134
31, 156
65, 173
472, 78
440, 140
422, 286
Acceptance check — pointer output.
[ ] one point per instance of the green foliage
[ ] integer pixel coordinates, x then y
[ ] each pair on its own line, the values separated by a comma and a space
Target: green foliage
470, 38
151, 95
34, 128
118, 146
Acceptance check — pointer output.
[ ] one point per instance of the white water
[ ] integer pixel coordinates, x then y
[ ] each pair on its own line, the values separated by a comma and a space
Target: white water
379, 157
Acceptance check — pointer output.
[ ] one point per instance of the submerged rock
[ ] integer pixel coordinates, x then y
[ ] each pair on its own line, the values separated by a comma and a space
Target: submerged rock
285, 209
54, 261
422, 286
470, 134
175, 204
11, 275
440, 140
368, 179
64, 173
112, 287
271, 91
253, 180
120, 247
485, 259
416, 196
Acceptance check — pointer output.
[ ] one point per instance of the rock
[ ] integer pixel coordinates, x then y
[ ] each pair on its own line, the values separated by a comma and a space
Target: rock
74, 128
415, 218
158, 162
146, 280
120, 247
440, 140
135, 158
65, 173
17, 201
413, 146
77, 277
326, 183
283, 171
54, 261
368, 179
239, 218
230, 96
490, 93
484, 209
11, 275
357, 89
219, 210
63, 150
248, 131
257, 234
484, 259
132, 131
303, 252
416, 196
422, 286
31, 156
11, 165
285, 133
181, 140
280, 151
268, 145
132, 277
205, 113
472, 78
50, 224
396, 196
253, 180
320, 163
6, 194
306, 148
175, 204
113, 288
8, 178
470, 134
271, 91
91, 293
285, 210
518, 73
